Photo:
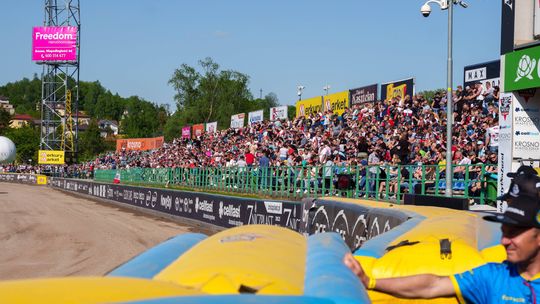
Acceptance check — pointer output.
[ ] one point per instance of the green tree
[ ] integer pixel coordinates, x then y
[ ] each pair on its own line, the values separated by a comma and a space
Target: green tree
142, 119
90, 142
209, 95
5, 120
26, 140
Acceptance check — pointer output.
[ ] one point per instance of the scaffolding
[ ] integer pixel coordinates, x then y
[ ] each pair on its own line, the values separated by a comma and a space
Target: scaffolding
60, 87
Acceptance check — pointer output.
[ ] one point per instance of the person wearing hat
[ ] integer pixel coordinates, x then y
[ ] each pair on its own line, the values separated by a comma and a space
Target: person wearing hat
516, 280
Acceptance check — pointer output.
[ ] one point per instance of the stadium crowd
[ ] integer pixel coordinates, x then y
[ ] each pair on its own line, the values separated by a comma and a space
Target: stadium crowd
408, 131
398, 131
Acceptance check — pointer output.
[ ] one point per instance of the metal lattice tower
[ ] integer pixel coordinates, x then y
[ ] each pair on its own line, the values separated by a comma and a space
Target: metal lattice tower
60, 86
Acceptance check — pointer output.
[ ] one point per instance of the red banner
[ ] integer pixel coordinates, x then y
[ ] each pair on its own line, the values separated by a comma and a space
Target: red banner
198, 130
139, 144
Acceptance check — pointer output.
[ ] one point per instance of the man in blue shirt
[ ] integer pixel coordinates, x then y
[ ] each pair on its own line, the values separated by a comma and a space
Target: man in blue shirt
517, 280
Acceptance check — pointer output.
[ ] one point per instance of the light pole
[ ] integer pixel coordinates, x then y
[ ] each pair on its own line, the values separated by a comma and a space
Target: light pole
426, 10
299, 90
326, 88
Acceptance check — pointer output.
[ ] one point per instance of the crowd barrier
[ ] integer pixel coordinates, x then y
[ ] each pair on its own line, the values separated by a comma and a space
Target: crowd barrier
477, 183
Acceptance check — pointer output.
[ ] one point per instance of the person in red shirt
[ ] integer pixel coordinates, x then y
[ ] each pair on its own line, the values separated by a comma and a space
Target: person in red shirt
250, 159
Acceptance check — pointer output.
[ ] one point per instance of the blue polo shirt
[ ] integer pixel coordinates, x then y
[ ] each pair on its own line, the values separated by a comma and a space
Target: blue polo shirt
496, 283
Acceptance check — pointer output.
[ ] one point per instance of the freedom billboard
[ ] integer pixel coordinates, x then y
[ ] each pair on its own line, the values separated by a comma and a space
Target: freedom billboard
397, 88
336, 102
54, 43
309, 106
363, 94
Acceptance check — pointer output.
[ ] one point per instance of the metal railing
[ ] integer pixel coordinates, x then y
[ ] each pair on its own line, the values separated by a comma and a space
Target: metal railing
387, 182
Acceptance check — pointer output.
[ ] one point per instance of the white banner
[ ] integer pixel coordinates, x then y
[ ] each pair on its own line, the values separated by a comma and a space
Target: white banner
255, 116
526, 118
506, 103
211, 127
237, 120
278, 113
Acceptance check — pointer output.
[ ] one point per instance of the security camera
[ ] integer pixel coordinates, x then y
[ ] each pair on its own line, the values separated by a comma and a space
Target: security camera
425, 10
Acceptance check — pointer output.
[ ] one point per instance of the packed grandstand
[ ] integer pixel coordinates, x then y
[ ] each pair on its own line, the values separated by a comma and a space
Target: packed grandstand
385, 134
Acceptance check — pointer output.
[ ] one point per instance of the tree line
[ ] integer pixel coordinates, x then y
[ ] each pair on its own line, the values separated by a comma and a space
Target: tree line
202, 94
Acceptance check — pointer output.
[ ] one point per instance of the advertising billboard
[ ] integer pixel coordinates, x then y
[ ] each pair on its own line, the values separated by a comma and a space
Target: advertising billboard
521, 69
363, 94
186, 132
51, 157
506, 104
526, 133
54, 43
278, 113
198, 130
397, 88
237, 120
139, 144
309, 106
336, 102
255, 116
482, 72
211, 127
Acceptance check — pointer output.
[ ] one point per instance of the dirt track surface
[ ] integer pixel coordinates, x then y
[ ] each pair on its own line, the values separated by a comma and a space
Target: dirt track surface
45, 232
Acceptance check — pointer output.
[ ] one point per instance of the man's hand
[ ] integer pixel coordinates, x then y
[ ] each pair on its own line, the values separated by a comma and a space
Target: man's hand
356, 268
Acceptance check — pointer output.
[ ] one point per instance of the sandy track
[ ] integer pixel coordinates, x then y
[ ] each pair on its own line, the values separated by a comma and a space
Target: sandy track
45, 232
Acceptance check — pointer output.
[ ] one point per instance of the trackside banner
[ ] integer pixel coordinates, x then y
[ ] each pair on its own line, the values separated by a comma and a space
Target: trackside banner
237, 120
278, 113
139, 144
399, 88
217, 210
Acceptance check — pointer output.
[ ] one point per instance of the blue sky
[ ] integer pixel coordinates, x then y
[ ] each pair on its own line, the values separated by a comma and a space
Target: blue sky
132, 47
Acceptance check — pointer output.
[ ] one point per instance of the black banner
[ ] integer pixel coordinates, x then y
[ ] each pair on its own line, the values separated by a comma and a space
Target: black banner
363, 94
482, 72
18, 178
355, 223
223, 211
397, 88
507, 26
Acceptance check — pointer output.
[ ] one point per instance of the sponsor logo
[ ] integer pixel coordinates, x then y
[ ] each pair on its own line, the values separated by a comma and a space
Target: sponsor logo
525, 68
518, 133
203, 206
475, 75
274, 207
244, 237
165, 201
228, 210
527, 145
519, 109
525, 120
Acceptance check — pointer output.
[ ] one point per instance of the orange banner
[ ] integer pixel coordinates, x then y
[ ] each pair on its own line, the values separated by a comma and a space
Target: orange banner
139, 144
198, 130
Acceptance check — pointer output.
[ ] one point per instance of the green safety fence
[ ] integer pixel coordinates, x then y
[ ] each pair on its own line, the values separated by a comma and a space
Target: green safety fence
387, 182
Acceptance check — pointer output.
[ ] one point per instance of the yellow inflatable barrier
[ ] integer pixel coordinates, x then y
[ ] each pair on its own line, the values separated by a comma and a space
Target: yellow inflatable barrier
434, 240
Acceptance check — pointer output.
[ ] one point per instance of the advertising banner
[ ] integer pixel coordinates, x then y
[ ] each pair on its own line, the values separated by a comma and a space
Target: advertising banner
355, 223
363, 94
521, 69
482, 72
506, 104
336, 102
198, 130
186, 132
526, 117
397, 88
309, 106
54, 43
139, 144
237, 120
211, 127
278, 113
23, 178
255, 116
217, 210
51, 157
